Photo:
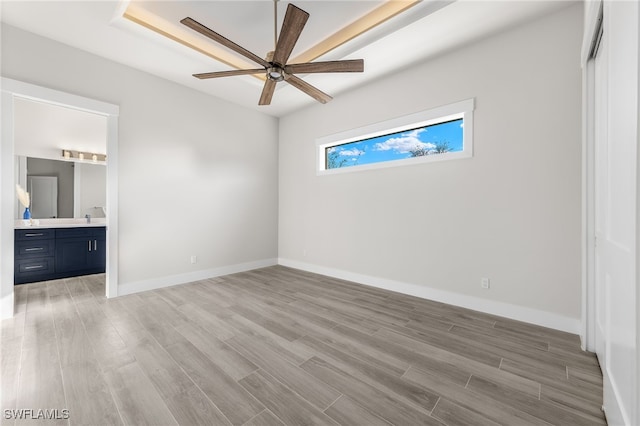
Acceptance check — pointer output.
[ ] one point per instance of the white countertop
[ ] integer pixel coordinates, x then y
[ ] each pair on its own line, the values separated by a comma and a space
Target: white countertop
60, 223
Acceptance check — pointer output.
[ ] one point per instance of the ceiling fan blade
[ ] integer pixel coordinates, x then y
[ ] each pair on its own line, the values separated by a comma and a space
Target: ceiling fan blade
230, 73
300, 84
196, 26
294, 21
352, 65
267, 92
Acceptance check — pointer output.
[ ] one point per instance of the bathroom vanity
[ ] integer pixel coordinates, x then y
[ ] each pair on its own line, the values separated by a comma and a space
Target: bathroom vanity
58, 249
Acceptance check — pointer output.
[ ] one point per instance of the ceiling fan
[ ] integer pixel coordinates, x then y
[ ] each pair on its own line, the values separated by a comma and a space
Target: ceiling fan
275, 65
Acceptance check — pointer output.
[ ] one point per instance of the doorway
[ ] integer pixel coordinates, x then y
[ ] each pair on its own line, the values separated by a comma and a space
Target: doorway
12, 90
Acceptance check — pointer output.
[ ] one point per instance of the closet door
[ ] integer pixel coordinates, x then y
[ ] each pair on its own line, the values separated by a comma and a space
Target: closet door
615, 157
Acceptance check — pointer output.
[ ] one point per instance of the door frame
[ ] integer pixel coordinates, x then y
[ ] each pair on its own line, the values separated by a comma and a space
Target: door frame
592, 28
12, 89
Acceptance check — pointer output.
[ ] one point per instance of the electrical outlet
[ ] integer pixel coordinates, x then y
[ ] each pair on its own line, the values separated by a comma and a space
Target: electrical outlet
484, 282
194, 259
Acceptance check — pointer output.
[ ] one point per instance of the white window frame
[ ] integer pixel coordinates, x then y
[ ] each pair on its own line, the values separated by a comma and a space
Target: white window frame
463, 109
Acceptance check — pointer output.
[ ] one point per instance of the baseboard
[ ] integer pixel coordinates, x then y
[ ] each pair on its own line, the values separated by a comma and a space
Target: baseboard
171, 280
519, 313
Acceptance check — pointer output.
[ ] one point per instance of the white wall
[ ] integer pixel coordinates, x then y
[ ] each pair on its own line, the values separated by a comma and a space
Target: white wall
511, 213
197, 175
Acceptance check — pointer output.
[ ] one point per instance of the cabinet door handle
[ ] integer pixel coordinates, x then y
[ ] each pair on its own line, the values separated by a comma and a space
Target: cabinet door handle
34, 249
89, 245
95, 245
33, 267
34, 235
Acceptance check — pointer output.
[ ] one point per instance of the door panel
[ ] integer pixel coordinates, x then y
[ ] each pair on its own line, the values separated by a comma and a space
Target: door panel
601, 185
616, 88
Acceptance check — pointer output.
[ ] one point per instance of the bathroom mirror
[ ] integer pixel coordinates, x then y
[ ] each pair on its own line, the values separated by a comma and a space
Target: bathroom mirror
62, 189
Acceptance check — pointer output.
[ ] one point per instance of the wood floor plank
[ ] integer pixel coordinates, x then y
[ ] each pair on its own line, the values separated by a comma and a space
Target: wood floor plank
40, 383
20, 294
287, 330
573, 403
208, 320
281, 401
88, 396
542, 409
379, 403
346, 412
73, 342
265, 418
479, 352
108, 346
400, 344
228, 359
78, 289
192, 407
364, 351
233, 400
10, 354
583, 390
310, 388
497, 411
37, 296
138, 402
288, 350
419, 397
453, 414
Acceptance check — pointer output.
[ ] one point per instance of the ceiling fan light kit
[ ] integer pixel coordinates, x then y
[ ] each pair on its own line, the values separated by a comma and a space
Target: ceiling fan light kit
275, 65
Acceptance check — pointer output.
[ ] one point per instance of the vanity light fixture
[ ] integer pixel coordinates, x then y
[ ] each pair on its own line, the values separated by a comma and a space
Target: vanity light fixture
81, 156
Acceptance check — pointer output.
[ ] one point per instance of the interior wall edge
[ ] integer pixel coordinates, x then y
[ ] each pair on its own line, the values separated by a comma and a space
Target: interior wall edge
507, 310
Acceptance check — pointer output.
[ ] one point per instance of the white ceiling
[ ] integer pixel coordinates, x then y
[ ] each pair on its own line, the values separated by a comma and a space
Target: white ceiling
421, 32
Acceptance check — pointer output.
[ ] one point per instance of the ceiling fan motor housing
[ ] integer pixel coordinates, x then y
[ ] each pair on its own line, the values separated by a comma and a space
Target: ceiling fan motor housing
275, 73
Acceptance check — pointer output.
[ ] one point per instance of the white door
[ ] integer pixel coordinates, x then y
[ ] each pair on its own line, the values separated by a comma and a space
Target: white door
44, 196
615, 213
601, 184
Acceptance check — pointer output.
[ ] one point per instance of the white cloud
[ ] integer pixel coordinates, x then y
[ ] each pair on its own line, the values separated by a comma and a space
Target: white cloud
405, 143
351, 152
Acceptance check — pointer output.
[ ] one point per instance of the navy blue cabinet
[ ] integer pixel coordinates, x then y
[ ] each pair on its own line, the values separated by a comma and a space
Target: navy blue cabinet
80, 249
52, 253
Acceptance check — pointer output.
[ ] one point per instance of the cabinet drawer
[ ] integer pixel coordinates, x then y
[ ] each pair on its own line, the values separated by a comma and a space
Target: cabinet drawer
36, 266
73, 232
91, 232
34, 234
35, 248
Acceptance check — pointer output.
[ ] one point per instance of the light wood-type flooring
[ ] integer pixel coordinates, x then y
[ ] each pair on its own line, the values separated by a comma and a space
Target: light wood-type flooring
279, 346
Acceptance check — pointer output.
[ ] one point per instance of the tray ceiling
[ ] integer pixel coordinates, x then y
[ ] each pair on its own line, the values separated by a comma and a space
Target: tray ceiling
147, 35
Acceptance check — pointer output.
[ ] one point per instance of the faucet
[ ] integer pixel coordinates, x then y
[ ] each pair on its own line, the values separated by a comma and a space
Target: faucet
88, 216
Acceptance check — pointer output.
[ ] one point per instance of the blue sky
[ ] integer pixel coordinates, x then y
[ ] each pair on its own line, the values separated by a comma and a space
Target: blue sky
397, 146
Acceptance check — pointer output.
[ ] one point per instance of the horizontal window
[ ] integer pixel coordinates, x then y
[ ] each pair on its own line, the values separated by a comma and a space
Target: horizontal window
442, 133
